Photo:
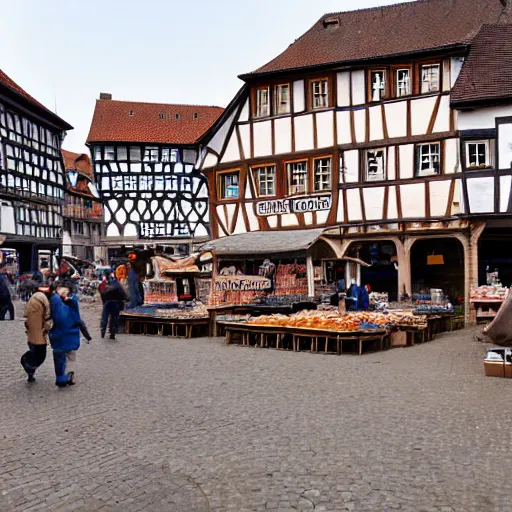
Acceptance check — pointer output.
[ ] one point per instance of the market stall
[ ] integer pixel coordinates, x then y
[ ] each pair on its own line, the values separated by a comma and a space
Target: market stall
487, 300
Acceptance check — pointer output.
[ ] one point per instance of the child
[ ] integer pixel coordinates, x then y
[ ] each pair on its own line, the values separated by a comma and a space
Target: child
65, 333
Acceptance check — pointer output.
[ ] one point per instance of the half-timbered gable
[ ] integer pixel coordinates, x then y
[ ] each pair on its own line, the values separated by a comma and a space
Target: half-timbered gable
350, 126
144, 157
32, 181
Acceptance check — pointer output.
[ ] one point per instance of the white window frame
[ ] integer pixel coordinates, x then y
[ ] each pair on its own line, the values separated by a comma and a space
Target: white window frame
382, 176
262, 102
319, 93
223, 185
427, 82
425, 151
322, 175
151, 154
488, 156
281, 107
378, 88
265, 179
294, 172
403, 84
110, 153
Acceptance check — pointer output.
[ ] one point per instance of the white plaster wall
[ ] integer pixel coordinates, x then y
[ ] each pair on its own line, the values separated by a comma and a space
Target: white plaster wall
343, 129
413, 200
406, 161
253, 220
351, 161
341, 209
451, 152
344, 89
456, 66
439, 195
392, 204
289, 219
210, 161
66, 243
446, 75
505, 182
505, 146
396, 119
244, 113
376, 128
240, 224
360, 125
442, 123
220, 136
272, 221
421, 113
325, 129
299, 104
358, 88
354, 205
481, 195
262, 138
245, 135
7, 219
391, 169
222, 216
322, 216
283, 135
231, 214
374, 202
304, 132
482, 118
232, 152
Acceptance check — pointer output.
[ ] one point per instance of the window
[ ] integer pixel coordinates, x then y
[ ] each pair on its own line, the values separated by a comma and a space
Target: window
134, 153
429, 78
97, 152
228, 185
150, 154
161, 116
403, 82
122, 153
375, 164
322, 174
266, 180
262, 102
378, 84
196, 115
478, 154
428, 159
132, 112
170, 155
319, 93
177, 117
109, 153
297, 177
282, 99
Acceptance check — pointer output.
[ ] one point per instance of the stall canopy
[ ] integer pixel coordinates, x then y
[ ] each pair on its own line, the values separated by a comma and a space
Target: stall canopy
264, 242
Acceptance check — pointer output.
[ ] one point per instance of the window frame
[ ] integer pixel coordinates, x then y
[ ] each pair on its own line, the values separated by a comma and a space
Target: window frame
385, 91
256, 103
417, 154
310, 94
276, 102
289, 176
395, 71
314, 190
489, 154
255, 175
221, 176
365, 161
432, 64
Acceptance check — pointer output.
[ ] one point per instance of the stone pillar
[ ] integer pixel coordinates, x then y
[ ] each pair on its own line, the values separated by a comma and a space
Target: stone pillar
310, 271
471, 277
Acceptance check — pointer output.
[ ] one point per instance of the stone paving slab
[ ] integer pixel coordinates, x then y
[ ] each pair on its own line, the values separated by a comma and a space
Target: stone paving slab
160, 424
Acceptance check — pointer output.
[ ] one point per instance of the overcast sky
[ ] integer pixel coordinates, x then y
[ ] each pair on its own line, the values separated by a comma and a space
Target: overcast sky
64, 52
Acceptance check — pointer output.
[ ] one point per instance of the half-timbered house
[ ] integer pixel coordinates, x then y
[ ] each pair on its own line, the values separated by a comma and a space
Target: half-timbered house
32, 180
83, 209
144, 157
350, 129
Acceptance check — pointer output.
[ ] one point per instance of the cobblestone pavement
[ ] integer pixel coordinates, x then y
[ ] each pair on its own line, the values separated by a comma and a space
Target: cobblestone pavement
194, 425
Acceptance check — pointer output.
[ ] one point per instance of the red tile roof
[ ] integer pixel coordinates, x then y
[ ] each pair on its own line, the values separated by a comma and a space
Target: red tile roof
487, 73
128, 121
14, 87
80, 162
386, 31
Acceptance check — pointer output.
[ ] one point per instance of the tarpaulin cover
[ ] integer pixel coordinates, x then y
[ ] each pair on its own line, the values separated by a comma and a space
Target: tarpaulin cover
500, 329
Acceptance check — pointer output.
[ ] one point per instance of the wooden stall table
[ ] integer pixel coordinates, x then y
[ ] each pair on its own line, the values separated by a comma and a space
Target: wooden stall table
162, 326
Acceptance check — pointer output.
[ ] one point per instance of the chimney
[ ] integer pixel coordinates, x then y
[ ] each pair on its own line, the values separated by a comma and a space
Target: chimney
105, 96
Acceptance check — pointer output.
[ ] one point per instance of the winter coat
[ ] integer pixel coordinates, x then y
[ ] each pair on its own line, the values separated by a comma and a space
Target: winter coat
38, 322
5, 294
113, 292
65, 333
135, 290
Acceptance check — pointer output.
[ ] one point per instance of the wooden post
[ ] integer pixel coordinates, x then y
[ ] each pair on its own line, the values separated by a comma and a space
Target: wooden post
310, 271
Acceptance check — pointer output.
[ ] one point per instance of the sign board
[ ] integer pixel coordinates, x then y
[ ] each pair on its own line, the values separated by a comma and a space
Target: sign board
241, 283
291, 205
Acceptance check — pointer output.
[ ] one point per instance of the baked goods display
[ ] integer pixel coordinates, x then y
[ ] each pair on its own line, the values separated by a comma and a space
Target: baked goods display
496, 292
333, 321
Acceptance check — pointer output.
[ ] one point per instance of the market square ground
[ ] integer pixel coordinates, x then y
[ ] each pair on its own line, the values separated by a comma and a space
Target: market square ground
194, 425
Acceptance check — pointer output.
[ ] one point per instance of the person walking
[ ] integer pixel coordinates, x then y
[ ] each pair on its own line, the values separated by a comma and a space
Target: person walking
113, 297
136, 289
6, 305
37, 326
65, 333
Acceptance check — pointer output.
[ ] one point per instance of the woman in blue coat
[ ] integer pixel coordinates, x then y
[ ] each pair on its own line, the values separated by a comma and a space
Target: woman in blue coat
65, 333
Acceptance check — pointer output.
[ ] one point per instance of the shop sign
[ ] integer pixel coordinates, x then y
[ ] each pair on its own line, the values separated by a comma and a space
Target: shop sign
241, 283
299, 205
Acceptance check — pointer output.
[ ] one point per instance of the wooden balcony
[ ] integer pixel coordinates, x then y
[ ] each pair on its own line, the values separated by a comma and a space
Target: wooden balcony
85, 213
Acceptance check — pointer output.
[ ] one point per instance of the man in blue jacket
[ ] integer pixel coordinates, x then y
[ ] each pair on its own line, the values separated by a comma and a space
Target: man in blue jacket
65, 333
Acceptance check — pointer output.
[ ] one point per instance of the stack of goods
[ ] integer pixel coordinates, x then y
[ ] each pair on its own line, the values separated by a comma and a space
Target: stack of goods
160, 291
376, 297
291, 279
285, 300
484, 293
232, 318
333, 321
196, 310
433, 308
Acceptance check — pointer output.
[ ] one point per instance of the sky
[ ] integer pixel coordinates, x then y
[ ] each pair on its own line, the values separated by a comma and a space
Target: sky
65, 52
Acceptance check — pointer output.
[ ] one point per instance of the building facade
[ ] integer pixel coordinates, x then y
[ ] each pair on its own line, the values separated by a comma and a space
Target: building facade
32, 180
360, 139
144, 157
83, 210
